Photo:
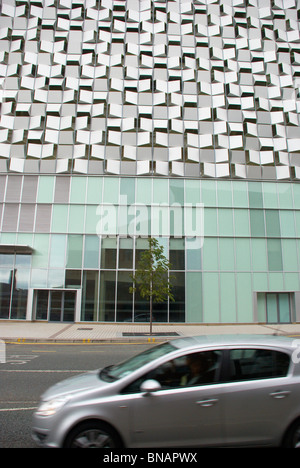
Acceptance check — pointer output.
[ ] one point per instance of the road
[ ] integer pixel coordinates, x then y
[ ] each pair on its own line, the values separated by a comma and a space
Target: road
31, 368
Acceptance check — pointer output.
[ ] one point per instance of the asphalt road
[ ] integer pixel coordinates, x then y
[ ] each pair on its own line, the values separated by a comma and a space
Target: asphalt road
31, 368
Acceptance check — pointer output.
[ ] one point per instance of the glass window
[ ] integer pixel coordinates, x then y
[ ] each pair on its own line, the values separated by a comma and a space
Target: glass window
107, 296
45, 189
190, 370
19, 293
109, 253
76, 218
177, 308
255, 195
57, 251
250, 364
177, 254
274, 254
127, 191
90, 295
91, 252
59, 218
160, 191
124, 297
78, 189
111, 190
74, 253
126, 253
6, 276
94, 190
272, 223
176, 191
144, 191
257, 223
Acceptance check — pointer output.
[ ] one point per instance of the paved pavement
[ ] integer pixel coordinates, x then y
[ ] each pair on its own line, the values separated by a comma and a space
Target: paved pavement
21, 331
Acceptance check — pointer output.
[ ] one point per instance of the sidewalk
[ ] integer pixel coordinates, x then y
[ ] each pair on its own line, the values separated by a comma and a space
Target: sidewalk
21, 331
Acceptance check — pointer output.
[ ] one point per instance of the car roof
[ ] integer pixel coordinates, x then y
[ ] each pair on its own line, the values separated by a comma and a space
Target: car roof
235, 340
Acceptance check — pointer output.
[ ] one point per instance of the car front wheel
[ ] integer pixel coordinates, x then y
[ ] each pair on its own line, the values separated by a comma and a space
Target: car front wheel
92, 435
292, 439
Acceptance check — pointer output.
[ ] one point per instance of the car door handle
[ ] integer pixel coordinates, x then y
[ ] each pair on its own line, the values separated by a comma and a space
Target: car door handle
209, 402
280, 394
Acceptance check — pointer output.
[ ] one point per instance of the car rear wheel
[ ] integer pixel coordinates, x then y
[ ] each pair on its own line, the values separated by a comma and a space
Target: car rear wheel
292, 439
92, 434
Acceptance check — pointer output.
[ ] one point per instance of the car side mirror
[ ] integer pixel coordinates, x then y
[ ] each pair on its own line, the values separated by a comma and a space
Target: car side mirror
149, 386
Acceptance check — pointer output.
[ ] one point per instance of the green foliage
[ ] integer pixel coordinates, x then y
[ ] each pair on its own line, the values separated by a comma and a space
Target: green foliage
151, 277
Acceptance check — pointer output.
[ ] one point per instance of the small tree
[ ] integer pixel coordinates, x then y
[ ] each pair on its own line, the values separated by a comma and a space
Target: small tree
151, 276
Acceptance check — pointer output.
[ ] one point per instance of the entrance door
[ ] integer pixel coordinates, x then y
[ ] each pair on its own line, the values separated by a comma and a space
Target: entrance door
55, 305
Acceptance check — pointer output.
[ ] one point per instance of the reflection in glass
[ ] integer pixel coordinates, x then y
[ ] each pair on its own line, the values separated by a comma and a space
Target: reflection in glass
5, 292
124, 297
89, 295
107, 296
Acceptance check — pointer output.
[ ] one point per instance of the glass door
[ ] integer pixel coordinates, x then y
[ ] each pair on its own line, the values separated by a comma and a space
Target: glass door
55, 305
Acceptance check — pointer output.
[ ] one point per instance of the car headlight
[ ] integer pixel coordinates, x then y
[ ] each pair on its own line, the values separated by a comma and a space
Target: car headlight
49, 408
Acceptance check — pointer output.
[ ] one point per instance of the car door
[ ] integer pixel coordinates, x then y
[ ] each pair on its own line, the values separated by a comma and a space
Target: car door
179, 413
259, 396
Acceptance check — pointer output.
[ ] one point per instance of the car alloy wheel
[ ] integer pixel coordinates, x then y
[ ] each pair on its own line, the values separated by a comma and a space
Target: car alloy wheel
92, 435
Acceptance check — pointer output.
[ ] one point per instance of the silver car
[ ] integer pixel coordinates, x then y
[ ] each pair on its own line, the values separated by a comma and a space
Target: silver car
190, 392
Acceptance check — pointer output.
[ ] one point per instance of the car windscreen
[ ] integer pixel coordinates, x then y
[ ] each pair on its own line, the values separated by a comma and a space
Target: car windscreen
112, 373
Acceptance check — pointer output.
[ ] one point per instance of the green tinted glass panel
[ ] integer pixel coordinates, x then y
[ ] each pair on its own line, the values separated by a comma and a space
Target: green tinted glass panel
259, 255
74, 259
59, 218
41, 251
287, 223
144, 191
208, 193
94, 190
192, 191
193, 297
111, 190
57, 251
272, 223
210, 221
255, 195
224, 193
211, 297
176, 191
296, 193
193, 253
78, 189
160, 191
243, 254
285, 196
45, 189
271, 308
225, 218
261, 307
244, 298
257, 223
284, 308
226, 253
270, 195
241, 223
91, 252
210, 254
227, 297
289, 254
76, 218
127, 191
91, 220
240, 194
274, 254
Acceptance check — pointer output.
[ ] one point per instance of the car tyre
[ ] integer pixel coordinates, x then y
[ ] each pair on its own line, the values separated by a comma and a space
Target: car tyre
292, 439
92, 434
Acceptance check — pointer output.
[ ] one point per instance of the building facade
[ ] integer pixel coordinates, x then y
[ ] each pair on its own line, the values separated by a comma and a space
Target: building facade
126, 119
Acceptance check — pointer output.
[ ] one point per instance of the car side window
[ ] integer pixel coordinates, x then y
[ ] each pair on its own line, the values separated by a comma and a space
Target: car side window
185, 371
250, 364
